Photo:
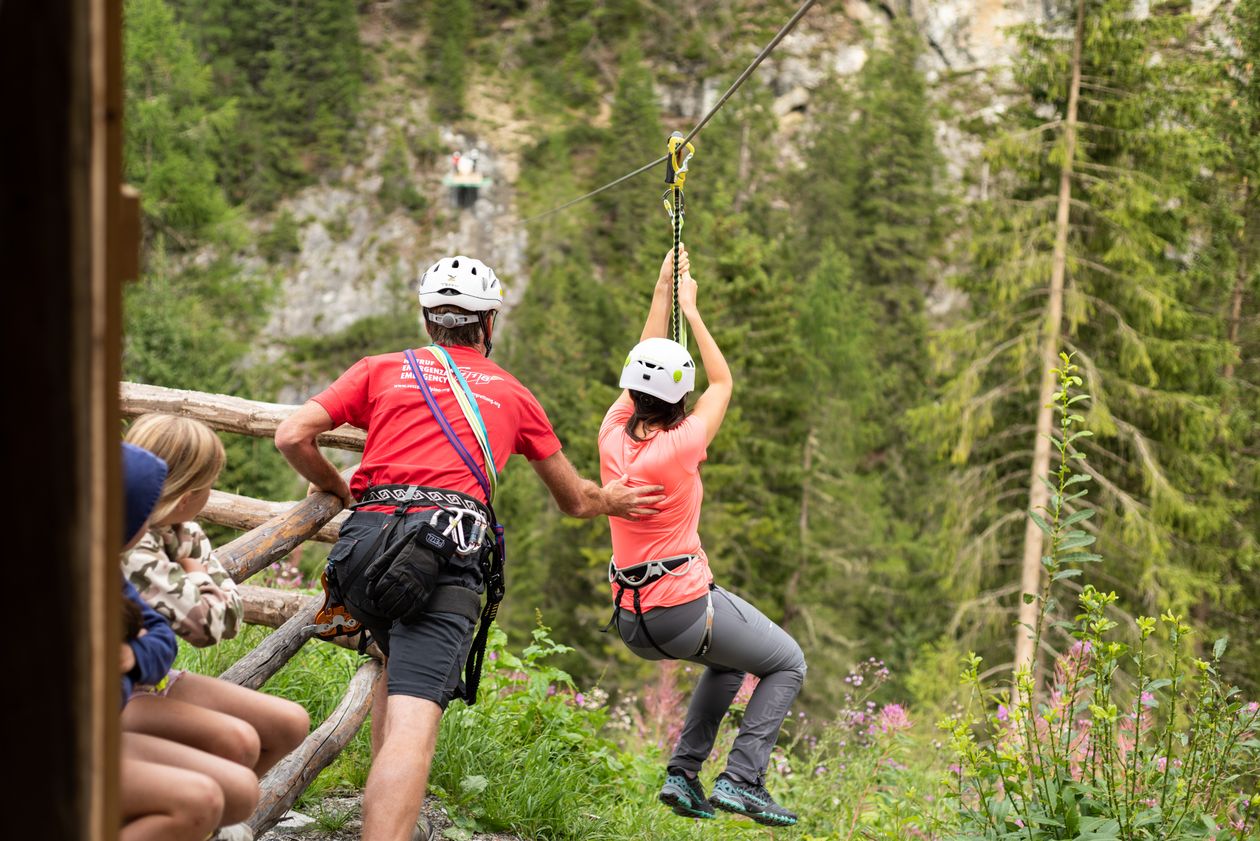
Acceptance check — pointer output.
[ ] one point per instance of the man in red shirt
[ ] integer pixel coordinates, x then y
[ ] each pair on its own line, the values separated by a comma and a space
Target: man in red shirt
408, 462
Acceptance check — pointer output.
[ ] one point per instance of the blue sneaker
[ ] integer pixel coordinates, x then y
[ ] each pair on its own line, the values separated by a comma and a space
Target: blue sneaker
685, 796
752, 801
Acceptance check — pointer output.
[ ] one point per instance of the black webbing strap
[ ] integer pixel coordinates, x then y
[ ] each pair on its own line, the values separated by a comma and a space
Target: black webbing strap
450, 598
623, 580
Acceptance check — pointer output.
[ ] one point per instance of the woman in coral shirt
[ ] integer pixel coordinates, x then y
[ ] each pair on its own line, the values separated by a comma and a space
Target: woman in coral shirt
667, 606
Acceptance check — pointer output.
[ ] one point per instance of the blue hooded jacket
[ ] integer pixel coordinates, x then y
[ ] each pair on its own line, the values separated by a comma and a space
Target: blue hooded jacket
155, 650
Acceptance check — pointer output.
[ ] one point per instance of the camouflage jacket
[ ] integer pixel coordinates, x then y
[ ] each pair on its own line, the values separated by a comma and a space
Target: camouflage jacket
203, 607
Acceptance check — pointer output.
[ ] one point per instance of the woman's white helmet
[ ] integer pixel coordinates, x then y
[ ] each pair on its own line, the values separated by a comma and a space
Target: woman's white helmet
461, 282
661, 368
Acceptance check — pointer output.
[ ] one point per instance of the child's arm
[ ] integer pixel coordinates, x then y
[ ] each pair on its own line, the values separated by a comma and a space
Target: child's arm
155, 648
203, 607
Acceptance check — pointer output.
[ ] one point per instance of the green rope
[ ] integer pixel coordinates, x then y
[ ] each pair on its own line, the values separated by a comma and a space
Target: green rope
676, 329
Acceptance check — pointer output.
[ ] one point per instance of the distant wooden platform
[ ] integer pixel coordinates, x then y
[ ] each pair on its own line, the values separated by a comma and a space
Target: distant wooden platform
474, 180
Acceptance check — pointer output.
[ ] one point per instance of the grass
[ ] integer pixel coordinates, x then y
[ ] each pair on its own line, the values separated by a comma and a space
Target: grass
537, 758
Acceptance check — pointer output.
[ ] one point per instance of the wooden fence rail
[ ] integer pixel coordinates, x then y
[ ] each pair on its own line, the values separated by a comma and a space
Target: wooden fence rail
226, 414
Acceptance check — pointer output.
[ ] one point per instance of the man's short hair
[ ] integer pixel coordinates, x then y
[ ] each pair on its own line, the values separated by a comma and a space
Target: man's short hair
465, 335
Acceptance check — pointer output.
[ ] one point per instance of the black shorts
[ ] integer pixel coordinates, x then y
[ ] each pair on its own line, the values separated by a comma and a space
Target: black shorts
425, 659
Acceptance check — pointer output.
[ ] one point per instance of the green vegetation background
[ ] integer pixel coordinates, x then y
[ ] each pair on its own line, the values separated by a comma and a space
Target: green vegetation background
867, 489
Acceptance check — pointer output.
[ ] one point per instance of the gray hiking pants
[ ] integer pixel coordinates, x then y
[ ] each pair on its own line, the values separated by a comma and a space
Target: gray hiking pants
744, 641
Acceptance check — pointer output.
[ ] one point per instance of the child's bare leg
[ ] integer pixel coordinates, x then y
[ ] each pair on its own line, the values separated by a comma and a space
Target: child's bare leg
238, 783
163, 803
281, 725
194, 725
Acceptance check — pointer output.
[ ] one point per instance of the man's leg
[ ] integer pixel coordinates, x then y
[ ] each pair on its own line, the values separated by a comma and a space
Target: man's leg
380, 709
423, 674
400, 769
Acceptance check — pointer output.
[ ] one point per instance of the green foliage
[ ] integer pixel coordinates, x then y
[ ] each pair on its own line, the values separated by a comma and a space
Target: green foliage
450, 30
398, 187
1141, 320
173, 128
1122, 743
281, 240
296, 71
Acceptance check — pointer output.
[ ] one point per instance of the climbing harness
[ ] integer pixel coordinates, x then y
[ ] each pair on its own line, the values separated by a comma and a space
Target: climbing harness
493, 560
743, 77
635, 578
680, 154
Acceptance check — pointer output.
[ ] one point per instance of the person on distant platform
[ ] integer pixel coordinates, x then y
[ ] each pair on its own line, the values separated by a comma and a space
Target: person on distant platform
667, 606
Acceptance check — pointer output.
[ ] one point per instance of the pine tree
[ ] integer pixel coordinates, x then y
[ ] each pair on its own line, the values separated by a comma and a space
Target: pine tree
450, 30
632, 222
1128, 312
173, 125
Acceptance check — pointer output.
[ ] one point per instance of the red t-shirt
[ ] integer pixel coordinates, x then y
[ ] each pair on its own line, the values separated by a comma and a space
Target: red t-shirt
406, 446
669, 457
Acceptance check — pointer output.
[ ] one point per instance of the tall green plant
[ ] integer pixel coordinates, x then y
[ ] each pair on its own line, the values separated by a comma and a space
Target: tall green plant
1121, 743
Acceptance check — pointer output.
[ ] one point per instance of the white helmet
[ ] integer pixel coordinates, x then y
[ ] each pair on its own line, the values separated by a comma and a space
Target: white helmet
660, 368
461, 282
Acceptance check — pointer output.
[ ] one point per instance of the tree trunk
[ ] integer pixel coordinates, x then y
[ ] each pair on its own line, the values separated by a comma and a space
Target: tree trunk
1039, 495
792, 590
227, 414
257, 667
253, 552
1240, 280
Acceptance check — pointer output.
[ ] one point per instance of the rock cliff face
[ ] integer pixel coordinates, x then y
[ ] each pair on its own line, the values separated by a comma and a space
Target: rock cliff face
356, 259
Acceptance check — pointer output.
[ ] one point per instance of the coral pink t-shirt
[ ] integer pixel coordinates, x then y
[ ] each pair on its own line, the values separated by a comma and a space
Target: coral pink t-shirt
405, 446
671, 458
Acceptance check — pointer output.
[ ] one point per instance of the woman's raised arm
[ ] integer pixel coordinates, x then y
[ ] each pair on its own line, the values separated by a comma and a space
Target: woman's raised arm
711, 407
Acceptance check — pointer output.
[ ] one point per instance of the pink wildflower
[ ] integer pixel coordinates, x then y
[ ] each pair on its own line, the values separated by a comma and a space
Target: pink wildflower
1003, 714
893, 718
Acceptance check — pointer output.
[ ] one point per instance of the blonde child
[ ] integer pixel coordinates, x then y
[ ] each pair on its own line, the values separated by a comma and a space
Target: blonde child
176, 572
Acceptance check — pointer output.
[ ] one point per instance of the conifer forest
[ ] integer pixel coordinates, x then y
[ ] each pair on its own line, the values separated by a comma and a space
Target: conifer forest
993, 454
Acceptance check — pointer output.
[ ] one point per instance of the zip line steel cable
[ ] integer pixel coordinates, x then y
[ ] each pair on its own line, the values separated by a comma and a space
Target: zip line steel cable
743, 77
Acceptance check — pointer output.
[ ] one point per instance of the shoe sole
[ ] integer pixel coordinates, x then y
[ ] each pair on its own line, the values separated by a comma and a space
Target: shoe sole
682, 805
763, 818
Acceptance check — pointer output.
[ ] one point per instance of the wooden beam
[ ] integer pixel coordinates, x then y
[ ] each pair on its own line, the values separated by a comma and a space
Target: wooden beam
271, 608
284, 783
251, 553
245, 513
257, 667
268, 606
227, 414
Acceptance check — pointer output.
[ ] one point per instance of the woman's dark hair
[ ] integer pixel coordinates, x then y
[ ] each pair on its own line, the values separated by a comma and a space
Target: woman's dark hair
653, 411
133, 619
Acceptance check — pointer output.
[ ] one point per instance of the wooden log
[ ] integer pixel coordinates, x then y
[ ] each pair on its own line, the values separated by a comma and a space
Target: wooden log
257, 667
228, 414
244, 513
284, 783
268, 606
272, 608
253, 552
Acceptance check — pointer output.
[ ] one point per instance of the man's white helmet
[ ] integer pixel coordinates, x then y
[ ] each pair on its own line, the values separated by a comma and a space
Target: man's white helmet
461, 282
660, 368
